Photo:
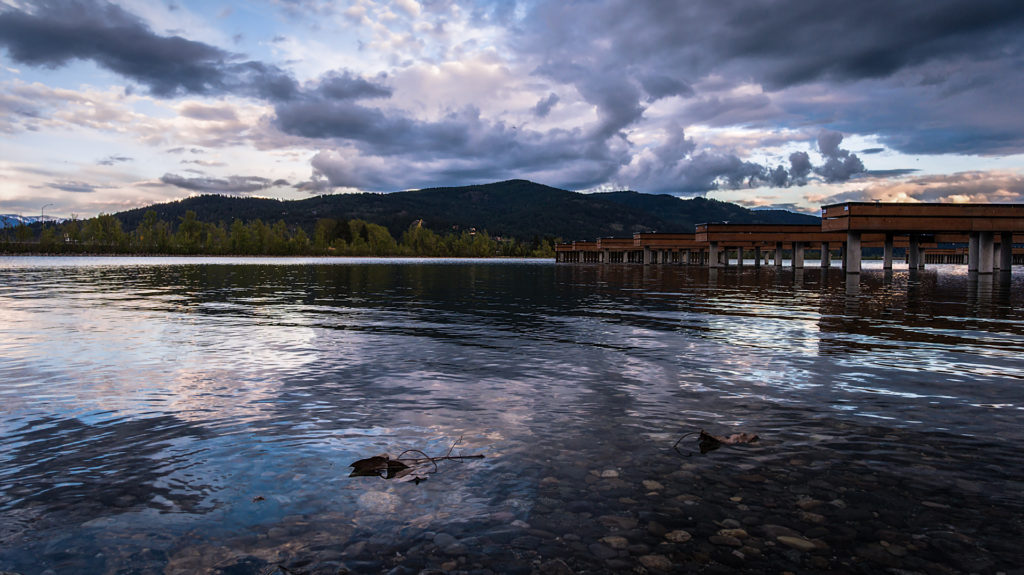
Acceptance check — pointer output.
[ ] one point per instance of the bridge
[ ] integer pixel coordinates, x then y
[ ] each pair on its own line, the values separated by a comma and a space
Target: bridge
982, 235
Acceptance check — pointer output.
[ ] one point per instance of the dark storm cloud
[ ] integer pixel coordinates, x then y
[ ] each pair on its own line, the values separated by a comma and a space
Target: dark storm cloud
344, 85
729, 110
828, 144
779, 42
840, 165
711, 171
798, 42
952, 65
331, 108
229, 185
799, 167
544, 105
56, 32
660, 86
779, 177
840, 169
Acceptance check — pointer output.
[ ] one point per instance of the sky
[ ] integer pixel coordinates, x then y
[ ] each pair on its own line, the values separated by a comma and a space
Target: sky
112, 105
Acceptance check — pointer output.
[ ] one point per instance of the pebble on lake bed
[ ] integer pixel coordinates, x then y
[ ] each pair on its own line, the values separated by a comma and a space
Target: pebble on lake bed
615, 542
651, 485
656, 562
379, 501
678, 536
798, 543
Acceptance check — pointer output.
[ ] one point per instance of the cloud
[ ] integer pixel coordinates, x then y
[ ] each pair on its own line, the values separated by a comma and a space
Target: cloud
410, 7
229, 185
679, 165
828, 144
544, 105
207, 113
675, 167
363, 143
114, 160
948, 73
73, 186
344, 85
893, 173
660, 86
840, 165
205, 163
796, 43
55, 32
961, 187
799, 167
573, 94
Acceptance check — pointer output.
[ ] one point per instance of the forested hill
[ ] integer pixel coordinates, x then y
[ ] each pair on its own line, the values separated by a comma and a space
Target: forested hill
515, 208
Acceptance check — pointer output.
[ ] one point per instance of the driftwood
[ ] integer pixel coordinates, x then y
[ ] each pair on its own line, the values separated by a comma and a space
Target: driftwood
708, 442
401, 468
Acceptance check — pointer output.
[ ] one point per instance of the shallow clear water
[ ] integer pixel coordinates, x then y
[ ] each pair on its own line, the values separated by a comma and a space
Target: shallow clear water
189, 415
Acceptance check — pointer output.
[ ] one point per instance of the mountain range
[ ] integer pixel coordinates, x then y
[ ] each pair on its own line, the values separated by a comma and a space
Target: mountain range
516, 208
14, 220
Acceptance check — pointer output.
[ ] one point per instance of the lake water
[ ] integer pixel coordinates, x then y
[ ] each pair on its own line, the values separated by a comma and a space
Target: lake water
168, 415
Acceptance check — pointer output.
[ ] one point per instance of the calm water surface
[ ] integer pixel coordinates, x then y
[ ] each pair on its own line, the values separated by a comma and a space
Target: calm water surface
198, 415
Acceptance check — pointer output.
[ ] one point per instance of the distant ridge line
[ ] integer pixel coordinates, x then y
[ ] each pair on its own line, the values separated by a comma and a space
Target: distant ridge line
515, 208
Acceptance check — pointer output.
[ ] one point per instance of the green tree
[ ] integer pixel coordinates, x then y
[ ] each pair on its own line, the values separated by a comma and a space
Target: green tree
48, 239
104, 233
379, 240
258, 235
22, 233
215, 239
482, 246
277, 239
240, 241
189, 233
420, 241
324, 234
146, 234
299, 243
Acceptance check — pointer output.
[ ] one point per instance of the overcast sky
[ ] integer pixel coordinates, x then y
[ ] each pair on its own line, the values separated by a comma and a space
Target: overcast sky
106, 106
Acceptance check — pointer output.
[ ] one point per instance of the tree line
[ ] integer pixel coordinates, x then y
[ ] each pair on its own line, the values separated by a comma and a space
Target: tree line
105, 234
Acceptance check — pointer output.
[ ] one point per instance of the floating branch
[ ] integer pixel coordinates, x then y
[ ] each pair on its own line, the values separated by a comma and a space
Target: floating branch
403, 468
708, 442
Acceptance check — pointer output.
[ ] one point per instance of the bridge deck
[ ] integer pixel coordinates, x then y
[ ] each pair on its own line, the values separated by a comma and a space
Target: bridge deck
904, 218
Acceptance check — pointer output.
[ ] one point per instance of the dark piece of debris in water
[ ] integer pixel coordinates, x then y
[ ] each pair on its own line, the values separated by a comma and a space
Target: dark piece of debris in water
401, 468
708, 442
